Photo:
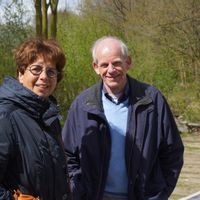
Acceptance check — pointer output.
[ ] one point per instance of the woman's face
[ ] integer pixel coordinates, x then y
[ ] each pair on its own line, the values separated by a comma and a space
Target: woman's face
40, 77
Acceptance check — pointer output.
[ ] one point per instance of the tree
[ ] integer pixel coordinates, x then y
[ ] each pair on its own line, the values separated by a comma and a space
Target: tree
42, 19
38, 17
180, 33
53, 5
14, 29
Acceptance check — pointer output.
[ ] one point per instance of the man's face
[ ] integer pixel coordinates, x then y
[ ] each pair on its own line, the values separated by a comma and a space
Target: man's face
112, 66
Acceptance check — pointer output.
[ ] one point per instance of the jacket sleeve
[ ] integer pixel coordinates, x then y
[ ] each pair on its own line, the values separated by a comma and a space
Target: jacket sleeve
6, 151
72, 139
171, 149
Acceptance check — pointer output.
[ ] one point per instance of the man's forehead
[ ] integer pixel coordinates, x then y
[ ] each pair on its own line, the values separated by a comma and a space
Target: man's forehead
105, 50
108, 49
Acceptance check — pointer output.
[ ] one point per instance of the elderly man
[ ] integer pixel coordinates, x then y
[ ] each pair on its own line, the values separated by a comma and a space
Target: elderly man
120, 136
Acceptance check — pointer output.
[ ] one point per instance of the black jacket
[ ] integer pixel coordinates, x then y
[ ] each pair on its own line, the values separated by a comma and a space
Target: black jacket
31, 157
153, 150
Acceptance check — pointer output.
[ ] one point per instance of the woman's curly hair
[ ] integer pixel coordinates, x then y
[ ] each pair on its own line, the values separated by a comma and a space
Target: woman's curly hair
29, 51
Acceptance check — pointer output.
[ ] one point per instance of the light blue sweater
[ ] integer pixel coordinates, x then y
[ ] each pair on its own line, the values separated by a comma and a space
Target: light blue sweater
116, 115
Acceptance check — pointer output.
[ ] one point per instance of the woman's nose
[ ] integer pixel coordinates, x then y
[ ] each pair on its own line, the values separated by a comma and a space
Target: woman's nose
43, 74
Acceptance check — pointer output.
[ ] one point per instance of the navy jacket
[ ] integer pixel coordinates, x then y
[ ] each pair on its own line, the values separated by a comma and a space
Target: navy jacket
153, 150
31, 157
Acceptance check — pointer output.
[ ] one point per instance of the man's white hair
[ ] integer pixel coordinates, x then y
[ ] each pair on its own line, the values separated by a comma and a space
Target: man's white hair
124, 48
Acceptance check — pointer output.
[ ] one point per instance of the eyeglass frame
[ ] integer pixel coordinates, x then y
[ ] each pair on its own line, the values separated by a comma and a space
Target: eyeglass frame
42, 69
114, 65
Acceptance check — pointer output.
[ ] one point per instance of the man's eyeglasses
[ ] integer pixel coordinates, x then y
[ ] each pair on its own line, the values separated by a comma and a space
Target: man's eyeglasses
114, 65
36, 70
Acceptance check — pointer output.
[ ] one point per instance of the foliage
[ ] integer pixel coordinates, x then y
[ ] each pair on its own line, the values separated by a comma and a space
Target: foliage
76, 36
184, 100
14, 30
163, 39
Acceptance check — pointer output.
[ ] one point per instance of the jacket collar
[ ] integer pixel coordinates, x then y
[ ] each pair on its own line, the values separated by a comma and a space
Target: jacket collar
92, 100
138, 92
15, 93
123, 96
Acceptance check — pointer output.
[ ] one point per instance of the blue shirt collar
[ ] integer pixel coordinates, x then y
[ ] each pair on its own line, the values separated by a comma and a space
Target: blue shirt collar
122, 98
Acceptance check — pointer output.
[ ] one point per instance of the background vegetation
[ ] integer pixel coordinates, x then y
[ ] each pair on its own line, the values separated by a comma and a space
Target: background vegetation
163, 39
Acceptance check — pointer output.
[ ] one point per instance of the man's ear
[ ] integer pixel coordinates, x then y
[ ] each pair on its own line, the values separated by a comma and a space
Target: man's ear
128, 62
96, 68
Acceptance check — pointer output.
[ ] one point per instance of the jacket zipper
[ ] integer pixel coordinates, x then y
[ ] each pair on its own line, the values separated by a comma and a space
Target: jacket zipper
103, 161
141, 102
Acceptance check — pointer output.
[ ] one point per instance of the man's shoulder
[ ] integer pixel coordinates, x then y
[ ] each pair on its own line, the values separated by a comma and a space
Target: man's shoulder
89, 92
88, 97
141, 87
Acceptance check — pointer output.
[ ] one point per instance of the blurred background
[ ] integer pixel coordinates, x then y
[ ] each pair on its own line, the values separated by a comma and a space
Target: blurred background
163, 39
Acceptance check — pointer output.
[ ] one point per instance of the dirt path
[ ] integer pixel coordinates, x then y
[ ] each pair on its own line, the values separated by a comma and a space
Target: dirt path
189, 181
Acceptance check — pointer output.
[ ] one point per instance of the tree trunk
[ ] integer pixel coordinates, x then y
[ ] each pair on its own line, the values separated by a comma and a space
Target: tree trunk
53, 25
38, 18
44, 19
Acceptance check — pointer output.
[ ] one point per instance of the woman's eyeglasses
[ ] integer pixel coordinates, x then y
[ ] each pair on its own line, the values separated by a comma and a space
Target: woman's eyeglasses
36, 70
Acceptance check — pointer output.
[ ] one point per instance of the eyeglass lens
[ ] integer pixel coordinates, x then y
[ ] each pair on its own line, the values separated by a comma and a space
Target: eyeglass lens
38, 69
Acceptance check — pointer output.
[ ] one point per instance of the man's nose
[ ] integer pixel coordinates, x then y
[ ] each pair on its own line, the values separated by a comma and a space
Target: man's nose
111, 67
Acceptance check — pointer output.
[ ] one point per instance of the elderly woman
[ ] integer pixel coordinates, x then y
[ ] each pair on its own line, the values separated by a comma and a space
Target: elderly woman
32, 161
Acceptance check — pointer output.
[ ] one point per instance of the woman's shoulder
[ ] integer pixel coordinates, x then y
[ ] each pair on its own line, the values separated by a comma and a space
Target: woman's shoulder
6, 130
6, 110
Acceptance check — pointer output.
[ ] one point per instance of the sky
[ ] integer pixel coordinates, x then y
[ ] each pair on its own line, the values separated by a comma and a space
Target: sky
29, 5
71, 4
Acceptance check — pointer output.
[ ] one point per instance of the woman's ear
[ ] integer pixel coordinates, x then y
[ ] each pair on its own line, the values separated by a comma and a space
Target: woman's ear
20, 77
